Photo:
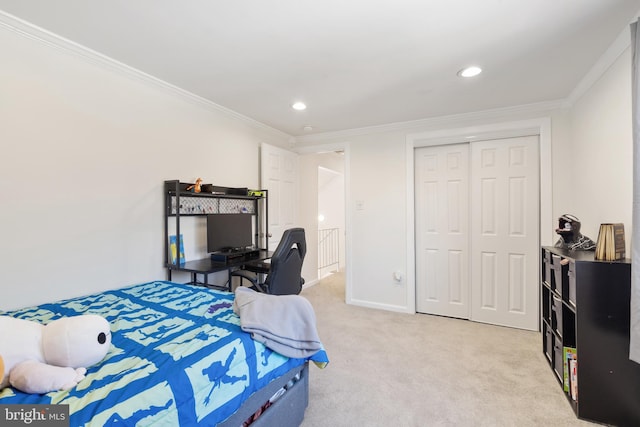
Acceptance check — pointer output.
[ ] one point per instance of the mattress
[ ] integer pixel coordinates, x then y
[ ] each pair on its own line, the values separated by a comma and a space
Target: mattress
178, 358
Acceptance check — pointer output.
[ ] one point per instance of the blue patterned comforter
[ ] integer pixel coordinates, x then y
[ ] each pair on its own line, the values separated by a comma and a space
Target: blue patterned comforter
178, 357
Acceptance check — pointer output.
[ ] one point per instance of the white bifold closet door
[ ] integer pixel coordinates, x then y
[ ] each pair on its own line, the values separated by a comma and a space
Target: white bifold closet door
442, 230
477, 228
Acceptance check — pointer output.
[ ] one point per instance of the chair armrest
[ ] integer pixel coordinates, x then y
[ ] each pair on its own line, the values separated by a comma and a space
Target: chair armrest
248, 275
259, 267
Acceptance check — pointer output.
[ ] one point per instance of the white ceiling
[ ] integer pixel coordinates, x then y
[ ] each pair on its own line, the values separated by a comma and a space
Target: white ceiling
355, 63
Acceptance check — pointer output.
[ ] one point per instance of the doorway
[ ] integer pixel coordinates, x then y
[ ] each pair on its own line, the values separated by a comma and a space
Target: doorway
331, 221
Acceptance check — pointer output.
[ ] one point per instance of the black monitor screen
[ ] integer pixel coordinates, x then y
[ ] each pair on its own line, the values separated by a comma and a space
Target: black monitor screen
227, 232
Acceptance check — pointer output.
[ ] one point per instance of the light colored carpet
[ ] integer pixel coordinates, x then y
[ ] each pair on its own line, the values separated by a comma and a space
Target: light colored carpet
394, 369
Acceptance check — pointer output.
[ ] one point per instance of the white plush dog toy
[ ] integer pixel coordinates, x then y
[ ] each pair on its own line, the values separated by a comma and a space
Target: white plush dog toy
42, 358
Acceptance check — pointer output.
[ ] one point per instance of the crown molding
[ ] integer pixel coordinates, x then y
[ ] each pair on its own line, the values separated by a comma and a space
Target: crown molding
33, 32
52, 40
613, 52
434, 122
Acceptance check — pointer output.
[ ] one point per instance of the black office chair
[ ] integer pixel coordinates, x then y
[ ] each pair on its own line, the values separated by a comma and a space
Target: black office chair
283, 273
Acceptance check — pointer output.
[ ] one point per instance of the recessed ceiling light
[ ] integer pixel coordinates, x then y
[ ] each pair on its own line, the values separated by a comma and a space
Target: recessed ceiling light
470, 71
299, 106
307, 128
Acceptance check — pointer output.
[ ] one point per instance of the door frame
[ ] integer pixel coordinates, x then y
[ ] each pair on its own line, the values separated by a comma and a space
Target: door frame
343, 146
538, 126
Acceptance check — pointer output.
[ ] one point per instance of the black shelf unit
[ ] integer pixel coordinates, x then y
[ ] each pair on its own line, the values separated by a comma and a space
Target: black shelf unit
585, 305
211, 200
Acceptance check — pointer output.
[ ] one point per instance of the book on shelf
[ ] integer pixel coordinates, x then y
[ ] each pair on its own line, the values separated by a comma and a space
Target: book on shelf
611, 242
568, 354
173, 249
573, 379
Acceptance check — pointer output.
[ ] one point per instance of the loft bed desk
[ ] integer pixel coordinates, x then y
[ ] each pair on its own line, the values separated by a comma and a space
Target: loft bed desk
208, 266
181, 202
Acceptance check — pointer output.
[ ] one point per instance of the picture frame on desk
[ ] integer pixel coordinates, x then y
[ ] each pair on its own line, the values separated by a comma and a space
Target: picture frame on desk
173, 250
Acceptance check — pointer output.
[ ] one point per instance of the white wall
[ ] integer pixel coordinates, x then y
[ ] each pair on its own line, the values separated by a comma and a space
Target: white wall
85, 150
601, 154
377, 225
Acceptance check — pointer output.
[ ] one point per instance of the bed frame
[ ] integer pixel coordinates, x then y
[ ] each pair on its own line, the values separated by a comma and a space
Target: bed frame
287, 411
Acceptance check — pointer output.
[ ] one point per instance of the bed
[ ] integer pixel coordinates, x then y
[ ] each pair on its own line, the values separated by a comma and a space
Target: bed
178, 358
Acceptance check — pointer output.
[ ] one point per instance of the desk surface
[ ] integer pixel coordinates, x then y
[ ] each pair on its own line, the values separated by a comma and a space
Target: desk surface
206, 265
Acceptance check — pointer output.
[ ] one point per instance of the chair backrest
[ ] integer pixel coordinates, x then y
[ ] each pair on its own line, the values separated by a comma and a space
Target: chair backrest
285, 274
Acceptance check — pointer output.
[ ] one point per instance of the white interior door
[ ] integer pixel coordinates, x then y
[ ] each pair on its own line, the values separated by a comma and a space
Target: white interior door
505, 232
477, 231
442, 234
279, 175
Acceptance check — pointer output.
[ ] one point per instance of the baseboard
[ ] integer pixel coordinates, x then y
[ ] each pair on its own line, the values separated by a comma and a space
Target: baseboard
378, 306
311, 283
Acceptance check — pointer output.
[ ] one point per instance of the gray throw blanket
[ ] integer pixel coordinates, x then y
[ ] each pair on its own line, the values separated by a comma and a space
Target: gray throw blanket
284, 323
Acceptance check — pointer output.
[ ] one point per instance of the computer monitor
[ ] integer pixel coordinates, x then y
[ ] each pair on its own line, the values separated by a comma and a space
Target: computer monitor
229, 232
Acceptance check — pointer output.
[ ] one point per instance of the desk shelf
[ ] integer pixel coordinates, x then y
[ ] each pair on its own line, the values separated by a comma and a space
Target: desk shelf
211, 200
